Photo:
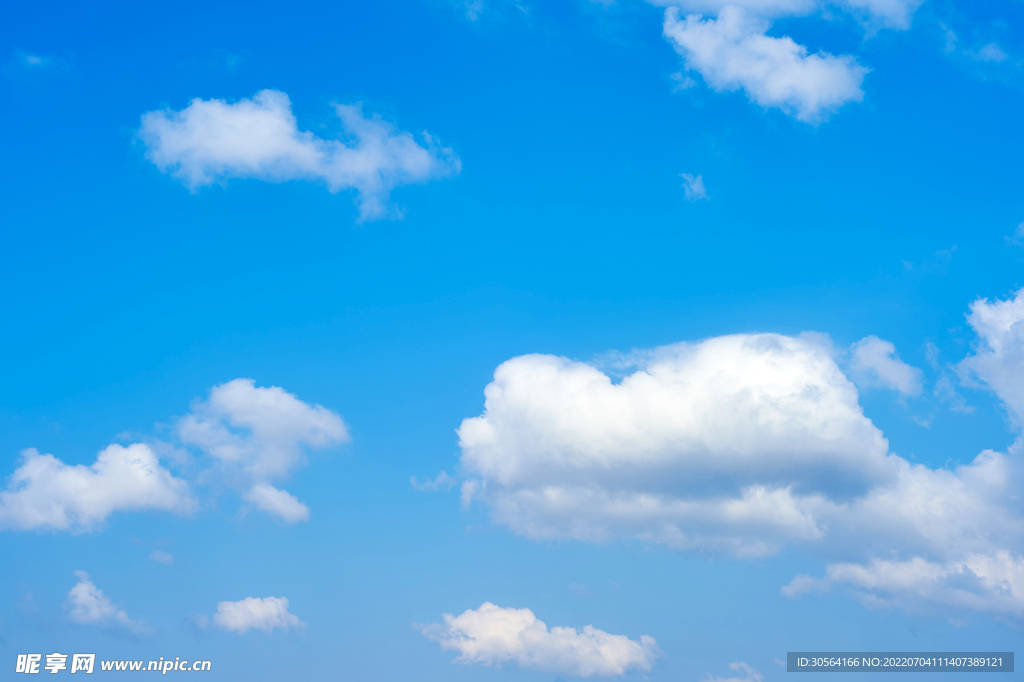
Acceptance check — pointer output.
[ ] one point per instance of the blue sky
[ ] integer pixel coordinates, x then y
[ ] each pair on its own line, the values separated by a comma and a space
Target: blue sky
270, 313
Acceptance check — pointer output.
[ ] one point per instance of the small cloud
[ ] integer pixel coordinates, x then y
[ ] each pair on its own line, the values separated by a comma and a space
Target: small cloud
780, 662
493, 636
693, 186
29, 62
279, 503
161, 557
211, 141
749, 674
681, 81
467, 492
1017, 238
733, 51
443, 480
990, 53
950, 37
27, 604
803, 585
255, 613
876, 363
473, 9
944, 389
580, 590
46, 493
89, 606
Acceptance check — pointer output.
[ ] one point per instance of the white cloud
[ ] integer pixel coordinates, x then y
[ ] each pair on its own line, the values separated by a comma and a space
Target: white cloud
262, 430
874, 14
693, 187
442, 480
742, 444
733, 52
257, 434
762, 8
990, 53
27, 62
737, 440
254, 613
875, 363
89, 606
749, 674
211, 140
161, 557
279, 503
999, 357
991, 583
491, 635
46, 493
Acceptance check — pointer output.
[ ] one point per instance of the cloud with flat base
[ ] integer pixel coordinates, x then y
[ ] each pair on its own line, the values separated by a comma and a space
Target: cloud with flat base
493, 636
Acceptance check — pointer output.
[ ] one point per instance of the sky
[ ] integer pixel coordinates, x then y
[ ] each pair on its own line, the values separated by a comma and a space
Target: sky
508, 339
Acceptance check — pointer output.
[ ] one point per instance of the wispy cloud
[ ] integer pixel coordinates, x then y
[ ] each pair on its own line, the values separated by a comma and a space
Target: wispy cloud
693, 187
89, 606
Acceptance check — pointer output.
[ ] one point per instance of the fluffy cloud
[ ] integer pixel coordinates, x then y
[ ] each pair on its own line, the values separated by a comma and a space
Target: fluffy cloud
874, 362
211, 140
46, 493
89, 606
998, 360
738, 439
257, 434
161, 557
259, 429
491, 635
733, 52
254, 613
252, 434
742, 444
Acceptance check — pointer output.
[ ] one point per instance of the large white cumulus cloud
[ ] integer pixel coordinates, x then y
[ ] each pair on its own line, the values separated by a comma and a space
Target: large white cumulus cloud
212, 140
744, 444
46, 493
492, 635
737, 440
